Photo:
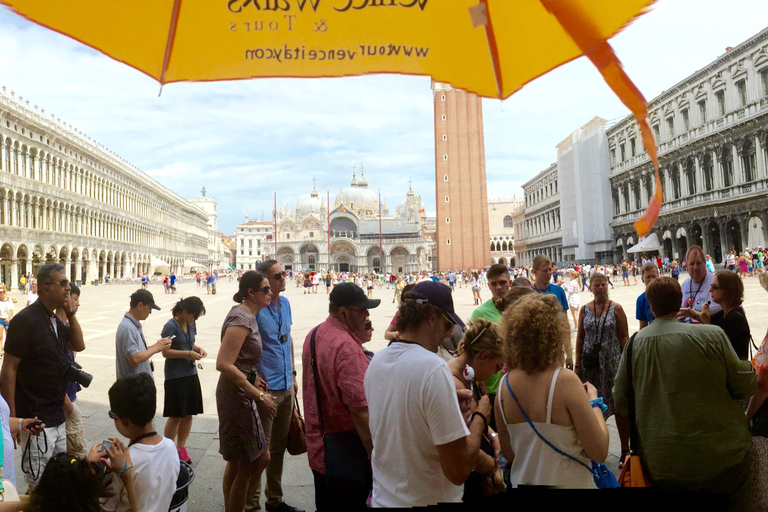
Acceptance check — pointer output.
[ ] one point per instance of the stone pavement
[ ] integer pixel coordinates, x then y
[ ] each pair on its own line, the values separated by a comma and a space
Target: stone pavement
102, 308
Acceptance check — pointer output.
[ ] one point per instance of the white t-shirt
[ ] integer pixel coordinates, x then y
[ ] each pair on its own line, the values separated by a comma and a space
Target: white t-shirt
155, 471
6, 308
412, 407
696, 295
31, 298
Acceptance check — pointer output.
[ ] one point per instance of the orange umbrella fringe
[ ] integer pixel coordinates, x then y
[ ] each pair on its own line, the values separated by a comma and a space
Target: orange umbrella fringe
583, 32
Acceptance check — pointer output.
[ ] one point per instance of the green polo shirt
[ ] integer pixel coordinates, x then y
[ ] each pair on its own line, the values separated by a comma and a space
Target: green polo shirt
687, 379
488, 311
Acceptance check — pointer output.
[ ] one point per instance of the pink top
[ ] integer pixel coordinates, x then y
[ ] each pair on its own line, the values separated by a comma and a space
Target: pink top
341, 364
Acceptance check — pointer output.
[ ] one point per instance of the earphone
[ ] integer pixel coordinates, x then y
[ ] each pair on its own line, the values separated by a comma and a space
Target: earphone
469, 372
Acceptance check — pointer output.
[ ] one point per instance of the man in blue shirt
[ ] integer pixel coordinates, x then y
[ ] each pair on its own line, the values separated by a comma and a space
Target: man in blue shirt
542, 273
278, 369
173, 282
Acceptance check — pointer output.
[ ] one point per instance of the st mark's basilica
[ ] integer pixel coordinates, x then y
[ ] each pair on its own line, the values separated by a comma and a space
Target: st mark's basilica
358, 234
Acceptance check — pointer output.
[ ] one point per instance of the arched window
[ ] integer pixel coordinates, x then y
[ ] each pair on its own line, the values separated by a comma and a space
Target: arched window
504, 246
508, 223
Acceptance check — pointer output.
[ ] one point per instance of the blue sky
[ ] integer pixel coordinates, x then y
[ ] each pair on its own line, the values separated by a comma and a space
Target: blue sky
242, 139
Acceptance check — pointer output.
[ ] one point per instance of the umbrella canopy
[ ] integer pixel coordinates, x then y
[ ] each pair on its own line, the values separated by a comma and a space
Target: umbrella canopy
489, 47
648, 244
192, 264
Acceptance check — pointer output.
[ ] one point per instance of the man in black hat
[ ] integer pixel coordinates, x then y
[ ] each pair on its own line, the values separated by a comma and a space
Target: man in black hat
334, 353
424, 450
132, 353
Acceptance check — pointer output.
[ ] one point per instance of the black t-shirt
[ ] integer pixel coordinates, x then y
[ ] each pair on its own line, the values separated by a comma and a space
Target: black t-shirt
736, 328
40, 384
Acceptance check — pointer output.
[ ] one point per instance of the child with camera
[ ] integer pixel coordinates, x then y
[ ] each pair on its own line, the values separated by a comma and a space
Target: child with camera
152, 458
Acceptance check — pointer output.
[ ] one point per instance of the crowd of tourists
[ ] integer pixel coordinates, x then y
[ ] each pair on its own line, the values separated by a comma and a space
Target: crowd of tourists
511, 404
450, 411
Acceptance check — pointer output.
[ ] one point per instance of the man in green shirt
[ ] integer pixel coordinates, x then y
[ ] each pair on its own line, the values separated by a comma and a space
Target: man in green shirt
498, 282
693, 433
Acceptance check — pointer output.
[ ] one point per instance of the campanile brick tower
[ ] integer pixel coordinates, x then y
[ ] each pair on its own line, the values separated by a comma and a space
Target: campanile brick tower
463, 236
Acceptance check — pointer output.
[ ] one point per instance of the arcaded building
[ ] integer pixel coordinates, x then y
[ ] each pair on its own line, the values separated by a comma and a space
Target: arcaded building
461, 193
65, 198
711, 130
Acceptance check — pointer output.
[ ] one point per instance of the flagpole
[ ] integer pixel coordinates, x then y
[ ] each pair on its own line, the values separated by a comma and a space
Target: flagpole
380, 249
328, 213
274, 214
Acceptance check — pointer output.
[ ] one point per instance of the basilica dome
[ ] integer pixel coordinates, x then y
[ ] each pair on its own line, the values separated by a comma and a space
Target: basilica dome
313, 204
359, 195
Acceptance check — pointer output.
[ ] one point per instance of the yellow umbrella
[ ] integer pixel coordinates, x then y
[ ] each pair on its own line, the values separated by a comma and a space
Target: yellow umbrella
489, 47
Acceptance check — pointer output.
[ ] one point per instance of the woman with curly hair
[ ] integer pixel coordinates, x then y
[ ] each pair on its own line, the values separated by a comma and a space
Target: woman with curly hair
479, 356
564, 411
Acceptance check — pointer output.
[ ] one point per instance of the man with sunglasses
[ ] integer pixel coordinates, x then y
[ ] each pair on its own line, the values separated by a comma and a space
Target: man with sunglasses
340, 364
278, 369
32, 380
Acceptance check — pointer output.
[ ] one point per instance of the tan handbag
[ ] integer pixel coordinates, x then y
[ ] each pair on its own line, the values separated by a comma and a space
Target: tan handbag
297, 442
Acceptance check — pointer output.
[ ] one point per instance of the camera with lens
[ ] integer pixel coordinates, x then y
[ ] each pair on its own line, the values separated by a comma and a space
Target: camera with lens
73, 372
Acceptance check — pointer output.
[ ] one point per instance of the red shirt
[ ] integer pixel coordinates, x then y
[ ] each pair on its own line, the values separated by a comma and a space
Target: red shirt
341, 364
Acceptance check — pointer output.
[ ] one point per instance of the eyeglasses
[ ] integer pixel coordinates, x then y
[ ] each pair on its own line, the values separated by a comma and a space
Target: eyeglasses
112, 414
265, 289
62, 282
713, 286
368, 325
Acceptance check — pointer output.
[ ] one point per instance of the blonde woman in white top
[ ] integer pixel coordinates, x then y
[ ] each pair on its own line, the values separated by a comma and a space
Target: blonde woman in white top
574, 302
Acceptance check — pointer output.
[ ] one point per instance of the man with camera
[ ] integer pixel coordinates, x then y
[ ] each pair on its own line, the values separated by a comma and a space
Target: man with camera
133, 355
36, 368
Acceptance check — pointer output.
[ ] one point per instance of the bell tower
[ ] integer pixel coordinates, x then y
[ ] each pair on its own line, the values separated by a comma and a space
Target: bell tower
463, 233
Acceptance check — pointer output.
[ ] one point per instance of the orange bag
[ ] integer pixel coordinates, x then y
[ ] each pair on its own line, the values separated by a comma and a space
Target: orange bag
632, 474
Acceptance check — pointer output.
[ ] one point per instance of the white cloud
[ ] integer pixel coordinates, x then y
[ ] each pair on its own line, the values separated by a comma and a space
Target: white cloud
243, 139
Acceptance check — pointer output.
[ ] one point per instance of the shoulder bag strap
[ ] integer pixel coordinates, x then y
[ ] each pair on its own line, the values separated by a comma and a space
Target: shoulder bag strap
539, 434
634, 440
316, 376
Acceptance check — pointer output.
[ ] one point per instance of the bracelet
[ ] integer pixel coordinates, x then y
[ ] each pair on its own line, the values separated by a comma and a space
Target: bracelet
126, 467
20, 427
485, 420
598, 402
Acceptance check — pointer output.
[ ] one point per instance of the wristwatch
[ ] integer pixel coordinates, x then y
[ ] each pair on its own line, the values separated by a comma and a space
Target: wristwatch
493, 435
261, 396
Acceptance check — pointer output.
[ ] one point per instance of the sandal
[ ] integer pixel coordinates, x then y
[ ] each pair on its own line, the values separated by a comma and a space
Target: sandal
622, 458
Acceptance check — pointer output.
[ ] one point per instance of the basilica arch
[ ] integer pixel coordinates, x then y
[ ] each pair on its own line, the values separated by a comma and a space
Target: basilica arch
343, 257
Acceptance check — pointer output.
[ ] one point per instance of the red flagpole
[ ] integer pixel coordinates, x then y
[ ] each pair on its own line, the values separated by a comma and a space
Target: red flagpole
328, 212
274, 214
381, 251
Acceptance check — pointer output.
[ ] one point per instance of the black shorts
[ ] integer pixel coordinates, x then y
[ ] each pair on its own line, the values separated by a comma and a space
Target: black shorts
183, 397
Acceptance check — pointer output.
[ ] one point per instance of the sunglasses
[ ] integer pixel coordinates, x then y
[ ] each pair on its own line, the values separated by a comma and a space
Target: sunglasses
279, 275
265, 289
62, 282
112, 414
368, 325
450, 320
713, 286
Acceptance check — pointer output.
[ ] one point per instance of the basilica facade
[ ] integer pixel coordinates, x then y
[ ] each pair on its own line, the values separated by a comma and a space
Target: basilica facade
65, 198
355, 233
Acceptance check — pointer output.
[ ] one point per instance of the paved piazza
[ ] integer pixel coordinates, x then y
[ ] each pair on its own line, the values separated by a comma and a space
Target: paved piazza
102, 307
